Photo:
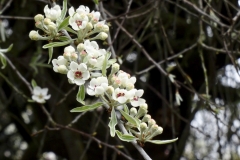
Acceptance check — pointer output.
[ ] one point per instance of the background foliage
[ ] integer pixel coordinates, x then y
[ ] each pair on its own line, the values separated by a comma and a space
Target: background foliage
197, 41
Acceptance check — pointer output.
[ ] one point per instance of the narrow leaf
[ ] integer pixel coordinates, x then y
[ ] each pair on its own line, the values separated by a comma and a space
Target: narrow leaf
50, 53
95, 1
130, 118
104, 67
63, 38
112, 123
56, 44
64, 10
81, 94
125, 137
162, 142
71, 30
87, 107
34, 83
125, 108
64, 23
3, 61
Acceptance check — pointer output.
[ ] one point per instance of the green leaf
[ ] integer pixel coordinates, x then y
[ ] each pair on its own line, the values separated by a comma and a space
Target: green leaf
87, 107
71, 30
34, 83
81, 94
125, 137
130, 119
56, 44
110, 62
50, 53
64, 23
62, 38
162, 142
3, 61
30, 100
113, 122
95, 1
64, 10
6, 50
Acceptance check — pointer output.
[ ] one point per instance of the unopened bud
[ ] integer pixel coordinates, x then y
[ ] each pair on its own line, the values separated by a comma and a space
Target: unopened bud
34, 35
145, 106
62, 69
133, 111
105, 28
151, 122
47, 21
89, 27
141, 112
101, 36
129, 86
66, 55
143, 127
115, 68
52, 28
110, 90
38, 17
74, 56
80, 47
39, 25
83, 53
146, 118
158, 131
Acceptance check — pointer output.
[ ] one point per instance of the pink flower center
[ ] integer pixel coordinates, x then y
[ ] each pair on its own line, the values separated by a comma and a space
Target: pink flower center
135, 98
120, 95
79, 23
78, 74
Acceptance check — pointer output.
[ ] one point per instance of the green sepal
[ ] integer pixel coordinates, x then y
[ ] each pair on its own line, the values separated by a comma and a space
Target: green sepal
125, 137
113, 122
81, 94
162, 141
71, 30
33, 83
87, 107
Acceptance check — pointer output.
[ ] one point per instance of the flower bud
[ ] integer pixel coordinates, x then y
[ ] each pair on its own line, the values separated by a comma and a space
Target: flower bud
158, 131
66, 55
110, 90
33, 35
38, 17
89, 27
105, 28
133, 111
115, 68
62, 69
101, 36
83, 53
52, 28
129, 86
145, 106
143, 127
80, 47
39, 25
146, 118
74, 56
154, 128
151, 122
141, 112
47, 21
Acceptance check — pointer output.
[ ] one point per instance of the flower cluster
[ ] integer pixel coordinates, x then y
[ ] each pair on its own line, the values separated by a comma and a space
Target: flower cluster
86, 64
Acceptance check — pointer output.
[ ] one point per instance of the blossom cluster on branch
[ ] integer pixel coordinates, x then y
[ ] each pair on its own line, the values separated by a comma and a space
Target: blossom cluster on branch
86, 64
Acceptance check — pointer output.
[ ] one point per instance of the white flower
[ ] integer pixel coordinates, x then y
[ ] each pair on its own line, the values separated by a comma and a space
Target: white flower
40, 95
83, 10
77, 21
78, 73
121, 95
59, 64
90, 44
53, 13
136, 100
97, 86
123, 79
94, 16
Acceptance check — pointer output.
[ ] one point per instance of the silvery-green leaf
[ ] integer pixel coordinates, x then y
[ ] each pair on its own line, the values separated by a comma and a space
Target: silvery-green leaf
50, 53
125, 108
162, 141
63, 38
87, 107
112, 123
95, 1
56, 44
3, 61
64, 23
81, 94
64, 10
130, 119
71, 30
125, 137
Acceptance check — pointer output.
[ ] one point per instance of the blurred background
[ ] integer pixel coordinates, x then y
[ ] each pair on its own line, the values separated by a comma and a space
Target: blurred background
197, 41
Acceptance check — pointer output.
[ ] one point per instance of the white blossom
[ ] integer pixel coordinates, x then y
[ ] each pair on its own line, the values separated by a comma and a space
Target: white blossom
121, 95
97, 86
52, 13
77, 21
83, 9
78, 73
136, 100
40, 94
